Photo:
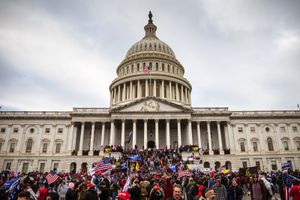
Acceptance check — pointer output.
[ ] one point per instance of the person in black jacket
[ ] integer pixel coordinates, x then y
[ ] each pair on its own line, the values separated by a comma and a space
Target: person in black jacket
91, 193
104, 191
71, 193
235, 192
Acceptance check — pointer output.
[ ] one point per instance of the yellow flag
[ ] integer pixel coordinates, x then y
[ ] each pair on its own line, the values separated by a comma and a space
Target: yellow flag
137, 167
248, 174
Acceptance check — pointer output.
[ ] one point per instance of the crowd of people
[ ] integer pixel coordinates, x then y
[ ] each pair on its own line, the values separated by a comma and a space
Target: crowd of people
150, 175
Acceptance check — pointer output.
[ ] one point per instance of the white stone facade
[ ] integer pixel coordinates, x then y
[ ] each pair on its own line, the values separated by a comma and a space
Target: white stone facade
156, 108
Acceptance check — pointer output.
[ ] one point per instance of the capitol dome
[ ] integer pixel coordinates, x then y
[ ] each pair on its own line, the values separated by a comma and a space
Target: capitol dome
163, 79
150, 44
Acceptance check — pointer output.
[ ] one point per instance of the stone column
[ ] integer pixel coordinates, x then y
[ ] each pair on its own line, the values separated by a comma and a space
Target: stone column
139, 89
102, 134
156, 134
134, 134
154, 88
163, 89
231, 138
220, 139
199, 135
119, 93
179, 132
81, 139
147, 88
115, 98
177, 92
91, 152
112, 133
182, 97
145, 133
209, 139
168, 133
190, 99
124, 92
190, 135
70, 139
131, 91
170, 90
123, 134
186, 95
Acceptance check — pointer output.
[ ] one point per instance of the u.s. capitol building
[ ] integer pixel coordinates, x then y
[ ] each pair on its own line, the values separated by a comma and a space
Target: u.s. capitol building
150, 106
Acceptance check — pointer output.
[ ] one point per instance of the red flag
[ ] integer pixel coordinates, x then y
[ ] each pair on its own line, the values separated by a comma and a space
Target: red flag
51, 178
147, 69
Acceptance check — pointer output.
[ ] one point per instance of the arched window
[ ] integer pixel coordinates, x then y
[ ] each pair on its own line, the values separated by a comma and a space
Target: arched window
29, 146
270, 144
206, 165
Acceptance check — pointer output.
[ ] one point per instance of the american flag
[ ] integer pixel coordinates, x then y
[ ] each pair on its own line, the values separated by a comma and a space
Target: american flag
51, 177
101, 166
147, 69
182, 173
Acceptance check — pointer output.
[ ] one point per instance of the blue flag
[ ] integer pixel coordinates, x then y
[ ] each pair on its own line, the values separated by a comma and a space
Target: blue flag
124, 166
135, 157
12, 186
173, 168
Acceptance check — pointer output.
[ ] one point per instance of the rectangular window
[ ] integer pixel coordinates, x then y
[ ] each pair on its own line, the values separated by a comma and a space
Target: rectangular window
257, 164
60, 130
12, 147
2, 130
243, 147
244, 164
16, 130
42, 167
240, 129
273, 165
295, 129
25, 168
298, 145
286, 145
1, 144
252, 129
55, 166
45, 147
282, 129
255, 149
57, 149
8, 166
47, 130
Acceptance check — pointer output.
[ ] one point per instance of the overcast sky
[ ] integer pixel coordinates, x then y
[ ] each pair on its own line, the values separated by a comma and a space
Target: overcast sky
56, 55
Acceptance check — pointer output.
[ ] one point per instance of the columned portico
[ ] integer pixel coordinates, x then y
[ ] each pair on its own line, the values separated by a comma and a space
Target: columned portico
81, 139
91, 152
199, 135
220, 139
209, 138
133, 134
145, 133
156, 134
123, 134
179, 132
168, 133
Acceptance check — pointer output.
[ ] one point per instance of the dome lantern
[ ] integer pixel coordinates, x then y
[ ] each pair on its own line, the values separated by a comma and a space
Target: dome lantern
150, 28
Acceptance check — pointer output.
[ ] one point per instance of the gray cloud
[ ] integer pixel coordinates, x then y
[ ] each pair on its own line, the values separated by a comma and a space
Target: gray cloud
58, 54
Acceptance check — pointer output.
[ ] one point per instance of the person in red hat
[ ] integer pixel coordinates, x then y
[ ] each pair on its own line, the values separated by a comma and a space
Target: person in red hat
123, 196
